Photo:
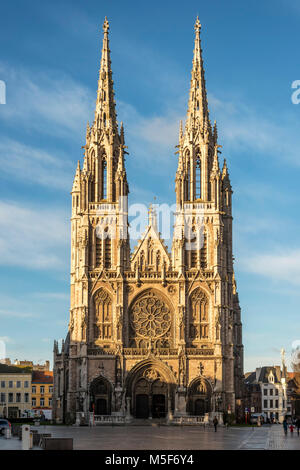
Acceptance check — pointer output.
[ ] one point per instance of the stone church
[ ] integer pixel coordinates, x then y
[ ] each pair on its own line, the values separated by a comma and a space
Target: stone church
152, 333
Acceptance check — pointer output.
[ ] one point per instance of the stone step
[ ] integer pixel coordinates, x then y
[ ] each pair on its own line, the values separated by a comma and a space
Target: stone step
148, 422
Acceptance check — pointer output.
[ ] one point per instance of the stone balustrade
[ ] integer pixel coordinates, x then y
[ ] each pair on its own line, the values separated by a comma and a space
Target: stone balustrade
99, 420
143, 352
190, 420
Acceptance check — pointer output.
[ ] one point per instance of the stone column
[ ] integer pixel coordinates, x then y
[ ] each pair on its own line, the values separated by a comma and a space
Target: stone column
181, 402
128, 417
170, 414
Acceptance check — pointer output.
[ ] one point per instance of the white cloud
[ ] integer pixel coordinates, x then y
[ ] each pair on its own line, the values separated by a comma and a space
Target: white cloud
51, 295
151, 139
50, 102
283, 266
33, 237
6, 339
161, 130
33, 165
16, 314
243, 127
252, 362
254, 224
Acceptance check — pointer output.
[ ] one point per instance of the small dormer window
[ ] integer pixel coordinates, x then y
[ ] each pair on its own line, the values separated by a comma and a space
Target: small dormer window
271, 378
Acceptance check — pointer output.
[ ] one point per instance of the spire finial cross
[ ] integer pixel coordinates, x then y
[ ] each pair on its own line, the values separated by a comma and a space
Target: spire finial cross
197, 25
105, 25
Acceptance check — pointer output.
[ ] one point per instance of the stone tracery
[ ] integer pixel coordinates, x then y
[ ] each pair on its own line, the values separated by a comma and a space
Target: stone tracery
198, 321
150, 317
103, 315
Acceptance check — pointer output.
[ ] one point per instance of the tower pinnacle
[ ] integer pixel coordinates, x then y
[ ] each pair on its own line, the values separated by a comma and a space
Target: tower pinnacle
105, 25
198, 108
197, 25
152, 216
105, 114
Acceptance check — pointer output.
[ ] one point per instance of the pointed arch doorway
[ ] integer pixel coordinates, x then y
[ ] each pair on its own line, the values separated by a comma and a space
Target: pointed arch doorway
142, 406
150, 397
199, 397
100, 393
151, 388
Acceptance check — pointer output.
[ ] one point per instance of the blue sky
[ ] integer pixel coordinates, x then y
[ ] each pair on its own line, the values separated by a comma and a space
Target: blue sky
50, 55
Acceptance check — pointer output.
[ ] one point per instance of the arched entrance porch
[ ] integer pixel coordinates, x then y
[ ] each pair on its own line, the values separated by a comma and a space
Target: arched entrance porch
150, 387
199, 397
100, 396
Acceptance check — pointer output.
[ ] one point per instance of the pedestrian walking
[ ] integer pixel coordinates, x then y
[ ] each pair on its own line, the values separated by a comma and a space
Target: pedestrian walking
285, 426
291, 428
298, 425
215, 423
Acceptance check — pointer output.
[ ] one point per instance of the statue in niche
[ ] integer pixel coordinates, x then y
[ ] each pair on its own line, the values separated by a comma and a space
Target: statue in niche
181, 370
181, 322
118, 371
119, 322
83, 327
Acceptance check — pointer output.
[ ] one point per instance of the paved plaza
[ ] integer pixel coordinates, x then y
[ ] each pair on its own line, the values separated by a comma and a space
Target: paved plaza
168, 438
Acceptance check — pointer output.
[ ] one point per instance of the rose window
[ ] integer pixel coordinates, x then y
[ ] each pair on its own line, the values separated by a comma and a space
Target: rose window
150, 317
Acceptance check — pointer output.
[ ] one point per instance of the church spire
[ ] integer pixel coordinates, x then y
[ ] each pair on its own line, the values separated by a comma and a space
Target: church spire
152, 217
77, 179
198, 108
105, 115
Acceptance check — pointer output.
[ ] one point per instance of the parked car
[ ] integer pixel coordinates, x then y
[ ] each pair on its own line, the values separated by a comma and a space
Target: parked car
255, 417
4, 424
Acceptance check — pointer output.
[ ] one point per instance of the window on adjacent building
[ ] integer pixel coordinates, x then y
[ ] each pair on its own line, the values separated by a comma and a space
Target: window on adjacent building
26, 384
276, 391
10, 384
33, 402
42, 402
271, 391
265, 391
26, 397
265, 403
42, 389
10, 398
50, 401
276, 403
3, 398
50, 389
18, 397
34, 389
2, 384
271, 404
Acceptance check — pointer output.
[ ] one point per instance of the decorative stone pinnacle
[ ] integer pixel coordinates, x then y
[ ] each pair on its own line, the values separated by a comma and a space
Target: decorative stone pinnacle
197, 25
105, 25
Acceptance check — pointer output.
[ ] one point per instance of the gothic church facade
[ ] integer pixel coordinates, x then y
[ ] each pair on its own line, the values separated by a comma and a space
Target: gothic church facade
151, 333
